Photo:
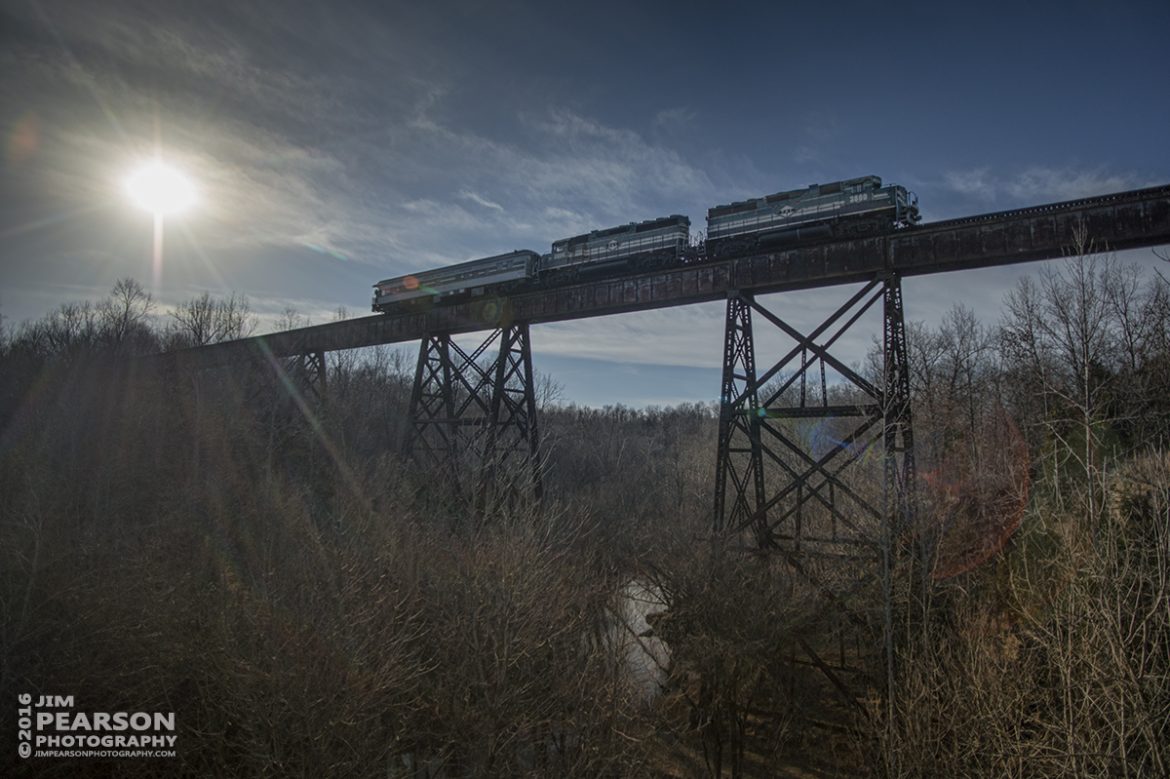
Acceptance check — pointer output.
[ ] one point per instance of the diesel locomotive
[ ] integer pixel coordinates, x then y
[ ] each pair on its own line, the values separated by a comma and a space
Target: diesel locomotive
649, 244
842, 209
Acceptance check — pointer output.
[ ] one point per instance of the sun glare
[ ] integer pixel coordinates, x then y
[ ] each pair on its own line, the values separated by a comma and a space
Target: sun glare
160, 189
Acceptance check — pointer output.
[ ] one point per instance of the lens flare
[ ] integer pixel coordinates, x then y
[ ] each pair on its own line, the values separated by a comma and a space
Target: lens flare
975, 504
24, 139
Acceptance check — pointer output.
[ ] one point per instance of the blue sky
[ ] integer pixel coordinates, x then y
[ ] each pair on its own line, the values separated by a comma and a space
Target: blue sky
335, 144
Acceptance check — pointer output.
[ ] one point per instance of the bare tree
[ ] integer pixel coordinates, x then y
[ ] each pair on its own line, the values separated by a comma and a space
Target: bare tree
125, 312
72, 326
291, 319
1061, 333
549, 391
204, 320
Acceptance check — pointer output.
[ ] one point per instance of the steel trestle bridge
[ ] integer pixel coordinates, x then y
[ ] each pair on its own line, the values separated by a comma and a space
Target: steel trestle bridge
775, 487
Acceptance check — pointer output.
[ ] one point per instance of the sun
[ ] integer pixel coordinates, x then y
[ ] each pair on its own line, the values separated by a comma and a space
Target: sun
160, 189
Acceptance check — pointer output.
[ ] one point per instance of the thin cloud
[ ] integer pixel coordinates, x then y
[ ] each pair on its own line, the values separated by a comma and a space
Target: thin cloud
976, 183
820, 125
478, 199
1036, 184
672, 119
804, 154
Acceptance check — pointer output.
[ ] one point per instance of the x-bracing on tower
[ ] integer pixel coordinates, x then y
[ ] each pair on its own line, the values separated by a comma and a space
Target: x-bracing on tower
789, 441
473, 414
819, 470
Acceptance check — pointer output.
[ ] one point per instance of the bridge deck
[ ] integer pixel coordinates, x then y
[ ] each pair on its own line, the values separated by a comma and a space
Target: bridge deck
1121, 221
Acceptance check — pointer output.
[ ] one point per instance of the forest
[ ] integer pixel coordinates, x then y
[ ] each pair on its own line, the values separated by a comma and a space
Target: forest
267, 565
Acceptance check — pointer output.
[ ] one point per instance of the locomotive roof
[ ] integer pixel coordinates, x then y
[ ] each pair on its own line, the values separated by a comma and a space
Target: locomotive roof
649, 224
828, 188
504, 256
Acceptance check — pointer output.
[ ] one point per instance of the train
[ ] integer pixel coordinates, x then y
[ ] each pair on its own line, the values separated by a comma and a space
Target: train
851, 208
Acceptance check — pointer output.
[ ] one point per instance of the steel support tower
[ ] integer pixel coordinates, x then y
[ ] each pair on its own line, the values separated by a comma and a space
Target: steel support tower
469, 413
283, 383
820, 471
309, 373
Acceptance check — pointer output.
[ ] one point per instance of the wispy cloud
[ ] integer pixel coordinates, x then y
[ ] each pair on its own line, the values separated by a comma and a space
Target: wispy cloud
1036, 184
615, 170
805, 153
673, 119
976, 183
820, 125
1066, 184
474, 198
